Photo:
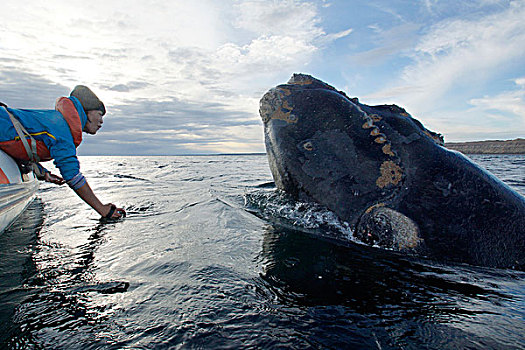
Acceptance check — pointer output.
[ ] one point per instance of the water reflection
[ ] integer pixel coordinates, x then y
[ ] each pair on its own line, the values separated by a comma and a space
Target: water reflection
396, 300
55, 294
17, 245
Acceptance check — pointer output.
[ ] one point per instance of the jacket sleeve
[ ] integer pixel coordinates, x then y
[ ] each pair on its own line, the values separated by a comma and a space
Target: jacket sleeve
65, 159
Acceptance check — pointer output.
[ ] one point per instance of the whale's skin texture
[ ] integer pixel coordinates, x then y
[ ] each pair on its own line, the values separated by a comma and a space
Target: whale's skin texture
391, 179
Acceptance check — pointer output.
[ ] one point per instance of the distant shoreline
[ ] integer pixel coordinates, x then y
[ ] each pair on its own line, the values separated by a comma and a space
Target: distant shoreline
516, 146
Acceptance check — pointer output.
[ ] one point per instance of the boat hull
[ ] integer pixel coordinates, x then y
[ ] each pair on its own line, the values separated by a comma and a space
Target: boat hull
17, 190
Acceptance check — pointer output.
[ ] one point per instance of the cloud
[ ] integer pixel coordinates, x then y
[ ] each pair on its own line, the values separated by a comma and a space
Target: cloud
129, 86
163, 43
520, 82
174, 127
25, 90
388, 43
163, 62
455, 62
265, 18
499, 116
449, 75
508, 102
464, 52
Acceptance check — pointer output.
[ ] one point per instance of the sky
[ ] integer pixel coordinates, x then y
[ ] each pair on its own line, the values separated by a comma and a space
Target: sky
186, 77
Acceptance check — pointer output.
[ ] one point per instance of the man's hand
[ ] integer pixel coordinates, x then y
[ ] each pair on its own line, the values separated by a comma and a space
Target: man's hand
48, 177
113, 212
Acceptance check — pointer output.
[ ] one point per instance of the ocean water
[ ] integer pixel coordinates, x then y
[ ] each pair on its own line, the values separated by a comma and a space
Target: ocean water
210, 256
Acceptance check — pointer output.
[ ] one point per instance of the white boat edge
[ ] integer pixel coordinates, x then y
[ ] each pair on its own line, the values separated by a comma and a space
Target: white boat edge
17, 191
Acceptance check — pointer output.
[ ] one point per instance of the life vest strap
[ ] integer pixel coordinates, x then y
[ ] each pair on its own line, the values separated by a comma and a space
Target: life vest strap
22, 133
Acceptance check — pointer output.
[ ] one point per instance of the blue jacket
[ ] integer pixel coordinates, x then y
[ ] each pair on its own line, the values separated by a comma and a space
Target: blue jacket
57, 134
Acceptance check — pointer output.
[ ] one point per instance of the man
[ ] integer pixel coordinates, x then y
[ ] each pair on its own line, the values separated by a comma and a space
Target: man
41, 135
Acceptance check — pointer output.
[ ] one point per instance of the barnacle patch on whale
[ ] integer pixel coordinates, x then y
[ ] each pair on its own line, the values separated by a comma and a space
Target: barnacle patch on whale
391, 174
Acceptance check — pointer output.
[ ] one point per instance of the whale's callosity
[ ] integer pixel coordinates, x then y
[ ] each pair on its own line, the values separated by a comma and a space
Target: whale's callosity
384, 173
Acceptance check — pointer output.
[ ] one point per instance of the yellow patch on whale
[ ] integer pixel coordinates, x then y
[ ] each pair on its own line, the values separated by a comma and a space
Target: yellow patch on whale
434, 137
368, 124
387, 149
380, 139
308, 146
378, 205
286, 116
302, 82
285, 92
375, 132
391, 174
375, 117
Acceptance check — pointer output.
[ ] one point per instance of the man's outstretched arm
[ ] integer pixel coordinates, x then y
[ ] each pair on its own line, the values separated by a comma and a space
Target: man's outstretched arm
86, 193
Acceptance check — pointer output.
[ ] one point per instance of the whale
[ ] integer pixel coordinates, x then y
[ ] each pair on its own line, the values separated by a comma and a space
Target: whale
391, 179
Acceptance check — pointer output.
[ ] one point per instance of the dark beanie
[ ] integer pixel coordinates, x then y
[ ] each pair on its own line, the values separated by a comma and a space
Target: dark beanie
88, 99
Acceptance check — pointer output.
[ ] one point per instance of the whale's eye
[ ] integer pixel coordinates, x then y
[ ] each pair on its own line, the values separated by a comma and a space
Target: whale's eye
308, 146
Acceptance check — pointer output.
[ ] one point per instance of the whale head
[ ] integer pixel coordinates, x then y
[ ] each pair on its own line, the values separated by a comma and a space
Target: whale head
329, 148
389, 177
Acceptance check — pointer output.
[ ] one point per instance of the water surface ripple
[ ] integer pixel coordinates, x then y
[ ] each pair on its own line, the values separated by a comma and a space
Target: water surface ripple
193, 267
